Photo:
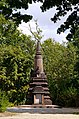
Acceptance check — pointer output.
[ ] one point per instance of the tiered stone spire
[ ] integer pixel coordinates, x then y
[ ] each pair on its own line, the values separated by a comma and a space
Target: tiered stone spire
38, 63
38, 91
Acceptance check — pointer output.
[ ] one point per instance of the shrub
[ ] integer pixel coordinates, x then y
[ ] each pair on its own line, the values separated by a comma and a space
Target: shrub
4, 102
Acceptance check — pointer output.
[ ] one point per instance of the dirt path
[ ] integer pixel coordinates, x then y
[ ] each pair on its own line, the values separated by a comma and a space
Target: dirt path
40, 116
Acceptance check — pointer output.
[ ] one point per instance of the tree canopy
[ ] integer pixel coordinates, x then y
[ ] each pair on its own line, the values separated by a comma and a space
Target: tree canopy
62, 6
8, 6
16, 61
61, 64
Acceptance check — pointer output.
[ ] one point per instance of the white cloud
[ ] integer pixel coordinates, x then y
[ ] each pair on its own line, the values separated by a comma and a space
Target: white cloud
48, 27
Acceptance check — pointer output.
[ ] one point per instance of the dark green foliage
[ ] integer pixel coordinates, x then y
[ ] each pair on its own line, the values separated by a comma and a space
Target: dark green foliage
14, 72
15, 66
65, 92
16, 61
8, 6
59, 62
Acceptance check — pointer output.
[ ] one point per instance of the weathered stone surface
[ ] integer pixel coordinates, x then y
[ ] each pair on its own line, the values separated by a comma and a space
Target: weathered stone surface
38, 91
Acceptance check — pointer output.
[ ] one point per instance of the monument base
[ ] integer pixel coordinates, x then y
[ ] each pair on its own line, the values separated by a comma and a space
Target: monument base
42, 109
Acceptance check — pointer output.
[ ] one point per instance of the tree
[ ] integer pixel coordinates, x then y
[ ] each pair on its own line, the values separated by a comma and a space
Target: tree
59, 62
62, 7
8, 6
16, 61
37, 34
7, 28
15, 69
75, 42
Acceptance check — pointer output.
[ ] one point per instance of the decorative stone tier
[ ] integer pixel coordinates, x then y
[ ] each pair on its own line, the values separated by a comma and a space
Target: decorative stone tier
40, 86
39, 83
38, 91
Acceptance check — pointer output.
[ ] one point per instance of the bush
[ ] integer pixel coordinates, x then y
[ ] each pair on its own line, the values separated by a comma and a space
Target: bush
4, 102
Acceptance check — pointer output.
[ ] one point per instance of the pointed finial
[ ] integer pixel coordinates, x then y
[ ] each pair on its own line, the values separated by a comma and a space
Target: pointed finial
38, 48
38, 65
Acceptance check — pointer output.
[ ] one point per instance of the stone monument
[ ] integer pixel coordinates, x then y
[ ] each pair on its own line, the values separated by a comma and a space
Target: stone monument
38, 86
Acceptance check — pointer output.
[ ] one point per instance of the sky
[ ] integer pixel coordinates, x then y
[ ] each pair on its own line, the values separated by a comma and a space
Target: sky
48, 27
